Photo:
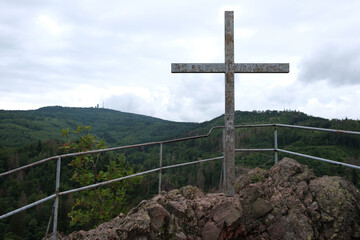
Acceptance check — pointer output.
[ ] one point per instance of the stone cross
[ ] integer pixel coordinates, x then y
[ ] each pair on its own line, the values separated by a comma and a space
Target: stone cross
229, 68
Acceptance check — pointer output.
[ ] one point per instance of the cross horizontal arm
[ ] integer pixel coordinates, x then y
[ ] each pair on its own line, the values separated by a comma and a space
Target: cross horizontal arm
197, 67
261, 67
238, 68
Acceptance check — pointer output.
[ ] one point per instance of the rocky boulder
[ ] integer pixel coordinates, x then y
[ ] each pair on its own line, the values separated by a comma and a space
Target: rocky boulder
285, 202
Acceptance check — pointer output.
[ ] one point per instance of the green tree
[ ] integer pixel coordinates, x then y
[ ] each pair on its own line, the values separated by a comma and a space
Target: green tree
99, 204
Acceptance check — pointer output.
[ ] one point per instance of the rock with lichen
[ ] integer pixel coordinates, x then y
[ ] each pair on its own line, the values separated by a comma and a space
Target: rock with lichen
285, 202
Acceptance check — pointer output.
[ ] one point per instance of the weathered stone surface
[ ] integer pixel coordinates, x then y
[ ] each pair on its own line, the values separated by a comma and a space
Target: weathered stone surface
226, 212
252, 176
210, 231
158, 214
286, 202
260, 207
337, 202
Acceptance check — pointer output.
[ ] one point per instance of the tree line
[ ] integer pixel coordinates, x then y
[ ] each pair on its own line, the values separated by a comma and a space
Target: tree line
30, 185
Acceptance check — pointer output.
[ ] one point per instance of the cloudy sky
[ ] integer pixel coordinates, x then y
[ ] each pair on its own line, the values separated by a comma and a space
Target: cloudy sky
81, 53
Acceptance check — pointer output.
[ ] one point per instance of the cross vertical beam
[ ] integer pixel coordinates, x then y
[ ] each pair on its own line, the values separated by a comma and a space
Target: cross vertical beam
229, 147
229, 68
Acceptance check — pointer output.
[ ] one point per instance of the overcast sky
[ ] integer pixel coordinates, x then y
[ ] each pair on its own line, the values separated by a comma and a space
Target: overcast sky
81, 53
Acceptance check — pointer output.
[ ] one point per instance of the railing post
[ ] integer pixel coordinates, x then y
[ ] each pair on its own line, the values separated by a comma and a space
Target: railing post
275, 144
56, 204
50, 219
160, 165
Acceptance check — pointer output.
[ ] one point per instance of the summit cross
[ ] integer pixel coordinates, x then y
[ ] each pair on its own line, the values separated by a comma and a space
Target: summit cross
229, 68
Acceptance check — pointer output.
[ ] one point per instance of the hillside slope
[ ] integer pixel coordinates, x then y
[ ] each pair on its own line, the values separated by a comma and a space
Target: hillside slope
30, 131
19, 128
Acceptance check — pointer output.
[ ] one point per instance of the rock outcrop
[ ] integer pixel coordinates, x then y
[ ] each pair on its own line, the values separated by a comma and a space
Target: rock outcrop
285, 202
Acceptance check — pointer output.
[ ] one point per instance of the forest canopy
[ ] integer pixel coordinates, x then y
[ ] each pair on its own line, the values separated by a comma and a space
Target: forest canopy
29, 136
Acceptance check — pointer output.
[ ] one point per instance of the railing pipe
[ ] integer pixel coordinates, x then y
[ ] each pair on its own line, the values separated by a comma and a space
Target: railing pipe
27, 206
255, 150
256, 125
28, 166
171, 141
108, 149
298, 127
56, 204
193, 162
320, 159
50, 219
56, 196
107, 182
318, 129
135, 175
160, 166
99, 184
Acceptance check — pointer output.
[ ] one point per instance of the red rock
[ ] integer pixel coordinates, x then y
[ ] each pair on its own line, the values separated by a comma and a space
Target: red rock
286, 202
210, 231
157, 215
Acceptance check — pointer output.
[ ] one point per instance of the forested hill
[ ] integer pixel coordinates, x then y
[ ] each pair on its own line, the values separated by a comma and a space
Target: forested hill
27, 137
18, 128
284, 117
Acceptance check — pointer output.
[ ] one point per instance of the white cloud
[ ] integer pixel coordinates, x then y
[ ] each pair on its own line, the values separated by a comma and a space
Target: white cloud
50, 25
245, 32
79, 53
332, 103
336, 64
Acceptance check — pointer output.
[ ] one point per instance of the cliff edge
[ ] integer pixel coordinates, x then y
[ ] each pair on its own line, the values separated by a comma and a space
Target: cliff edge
285, 202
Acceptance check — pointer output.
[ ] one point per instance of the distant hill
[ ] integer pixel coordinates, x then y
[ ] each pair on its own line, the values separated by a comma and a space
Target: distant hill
26, 137
258, 117
18, 128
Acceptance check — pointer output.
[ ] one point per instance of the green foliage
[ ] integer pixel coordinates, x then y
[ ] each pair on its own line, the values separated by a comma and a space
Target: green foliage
12, 236
98, 204
257, 178
28, 136
28, 186
19, 128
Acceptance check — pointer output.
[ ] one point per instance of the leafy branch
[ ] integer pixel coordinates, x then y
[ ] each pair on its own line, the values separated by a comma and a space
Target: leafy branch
102, 203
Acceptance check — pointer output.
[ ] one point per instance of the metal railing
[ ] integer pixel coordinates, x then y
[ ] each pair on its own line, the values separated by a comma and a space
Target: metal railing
58, 168
57, 194
276, 150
